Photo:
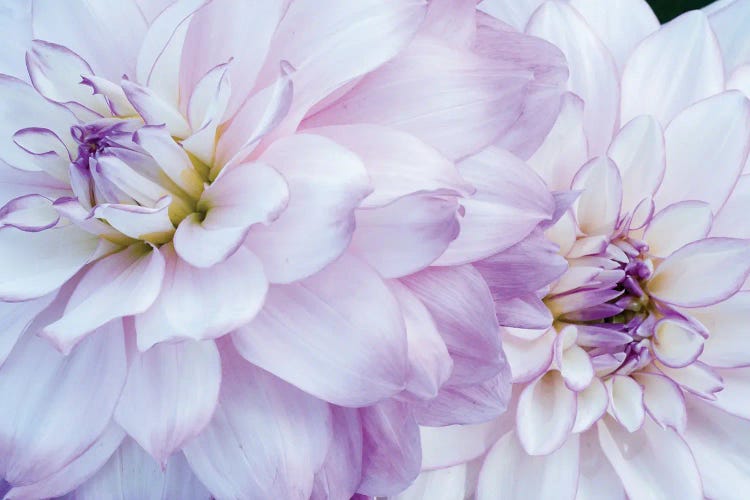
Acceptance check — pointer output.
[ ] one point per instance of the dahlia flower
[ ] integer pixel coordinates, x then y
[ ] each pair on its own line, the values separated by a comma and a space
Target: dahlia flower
219, 240
634, 380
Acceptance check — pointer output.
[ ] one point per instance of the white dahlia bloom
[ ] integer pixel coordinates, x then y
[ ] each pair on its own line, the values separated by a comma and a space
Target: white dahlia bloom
635, 381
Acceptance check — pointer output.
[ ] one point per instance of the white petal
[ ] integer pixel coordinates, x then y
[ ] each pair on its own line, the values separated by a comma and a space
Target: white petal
723, 123
35, 264
170, 395
122, 284
297, 334
201, 247
203, 303
638, 151
29, 213
730, 219
57, 406
626, 401
677, 225
598, 207
729, 20
649, 460
441, 484
529, 358
16, 318
702, 273
659, 77
509, 473
546, 414
593, 74
727, 346
597, 479
592, 404
620, 24
456, 444
697, 378
206, 109
664, 400
326, 183
155, 110
148, 224
676, 343
266, 440
575, 368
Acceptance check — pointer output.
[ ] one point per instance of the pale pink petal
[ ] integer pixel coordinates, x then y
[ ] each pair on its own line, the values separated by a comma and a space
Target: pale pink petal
740, 80
397, 163
15, 183
391, 451
575, 368
698, 378
219, 32
593, 74
44, 151
638, 151
121, 284
598, 207
155, 110
203, 303
727, 346
592, 403
509, 473
733, 397
677, 225
116, 99
509, 203
408, 235
35, 264
440, 484
597, 479
75, 472
16, 318
297, 335
459, 302
450, 20
626, 401
514, 12
723, 124
566, 147
720, 452
455, 444
149, 224
56, 73
664, 400
429, 361
201, 247
321, 51
132, 473
660, 76
730, 221
648, 460
244, 195
266, 440
458, 105
158, 63
22, 108
621, 24
546, 414
326, 183
108, 35
29, 213
729, 22
48, 423
16, 24
171, 158
127, 184
170, 395
341, 472
206, 109
702, 273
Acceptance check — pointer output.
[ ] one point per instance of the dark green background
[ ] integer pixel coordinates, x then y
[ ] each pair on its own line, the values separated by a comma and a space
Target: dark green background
668, 9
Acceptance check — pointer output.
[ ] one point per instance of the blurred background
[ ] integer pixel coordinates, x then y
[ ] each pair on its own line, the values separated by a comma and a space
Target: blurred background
669, 9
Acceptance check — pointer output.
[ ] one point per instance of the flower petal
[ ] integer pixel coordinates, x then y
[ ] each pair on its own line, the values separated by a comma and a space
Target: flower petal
730, 219
510, 473
626, 401
677, 225
659, 77
597, 479
676, 343
593, 74
510, 202
155, 110
647, 461
35, 264
702, 273
592, 404
119, 285
50, 422
438, 484
342, 470
170, 395
29, 213
664, 400
202, 303
528, 358
598, 207
391, 451
729, 22
546, 414
148, 224
723, 123
16, 318
326, 183
297, 335
204, 248
266, 439
726, 346
456, 444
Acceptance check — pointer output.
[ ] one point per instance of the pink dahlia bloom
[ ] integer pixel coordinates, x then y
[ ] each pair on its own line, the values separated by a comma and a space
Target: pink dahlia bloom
637, 385
224, 224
